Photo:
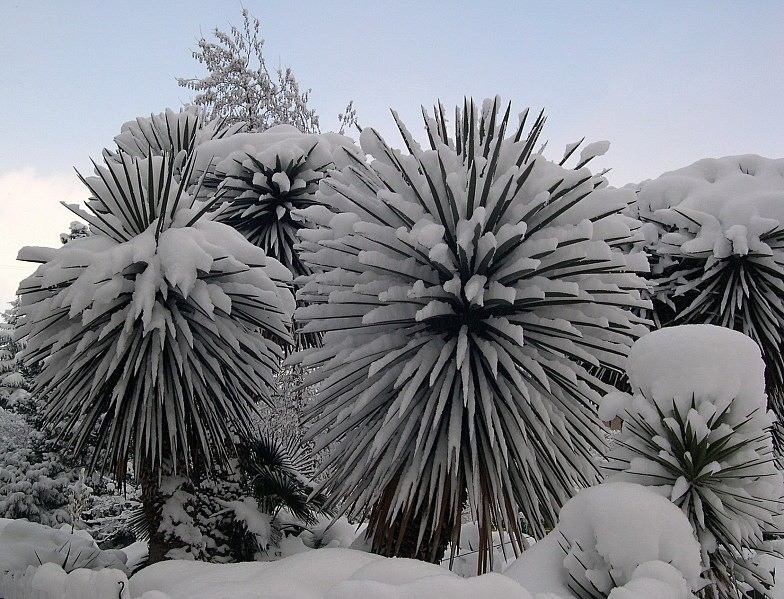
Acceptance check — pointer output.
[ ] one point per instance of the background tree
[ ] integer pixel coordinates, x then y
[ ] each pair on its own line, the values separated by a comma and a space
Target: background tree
460, 289
240, 88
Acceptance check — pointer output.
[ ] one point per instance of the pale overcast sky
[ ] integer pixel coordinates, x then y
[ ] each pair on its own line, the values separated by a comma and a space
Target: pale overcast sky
667, 83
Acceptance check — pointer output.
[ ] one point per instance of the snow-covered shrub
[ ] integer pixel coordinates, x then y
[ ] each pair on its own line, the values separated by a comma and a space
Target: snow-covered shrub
604, 536
461, 289
161, 331
696, 429
76, 230
14, 383
262, 178
24, 543
716, 239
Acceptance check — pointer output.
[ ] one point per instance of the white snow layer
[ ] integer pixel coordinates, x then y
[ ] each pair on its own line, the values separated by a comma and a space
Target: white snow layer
320, 574
674, 363
716, 205
604, 535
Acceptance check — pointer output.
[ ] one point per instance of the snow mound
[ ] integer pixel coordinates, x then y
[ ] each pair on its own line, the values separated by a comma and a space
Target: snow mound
24, 544
80, 583
432, 587
733, 188
676, 362
603, 535
320, 574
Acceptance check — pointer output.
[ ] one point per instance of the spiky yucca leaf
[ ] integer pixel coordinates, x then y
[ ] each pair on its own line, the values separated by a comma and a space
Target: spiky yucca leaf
717, 247
171, 132
150, 329
710, 452
459, 289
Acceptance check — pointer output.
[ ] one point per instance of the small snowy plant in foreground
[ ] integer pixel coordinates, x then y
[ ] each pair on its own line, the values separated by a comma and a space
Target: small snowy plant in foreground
616, 540
160, 331
462, 289
696, 429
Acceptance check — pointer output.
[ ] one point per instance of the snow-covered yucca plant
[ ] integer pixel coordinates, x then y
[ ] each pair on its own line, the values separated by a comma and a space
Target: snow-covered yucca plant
717, 246
159, 332
461, 290
170, 132
276, 173
696, 427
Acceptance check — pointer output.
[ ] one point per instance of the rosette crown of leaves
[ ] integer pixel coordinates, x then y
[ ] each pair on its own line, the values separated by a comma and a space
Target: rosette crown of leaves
263, 185
462, 289
150, 328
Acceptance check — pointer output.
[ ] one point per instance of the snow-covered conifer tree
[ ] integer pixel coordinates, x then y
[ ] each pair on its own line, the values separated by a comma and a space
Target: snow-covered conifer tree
159, 332
697, 429
461, 290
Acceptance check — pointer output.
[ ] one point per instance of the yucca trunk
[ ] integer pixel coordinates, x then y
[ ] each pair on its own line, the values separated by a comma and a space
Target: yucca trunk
152, 504
401, 536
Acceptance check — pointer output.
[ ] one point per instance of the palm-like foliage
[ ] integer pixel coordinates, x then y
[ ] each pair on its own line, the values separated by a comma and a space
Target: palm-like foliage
280, 473
460, 289
714, 459
169, 132
150, 328
718, 251
261, 189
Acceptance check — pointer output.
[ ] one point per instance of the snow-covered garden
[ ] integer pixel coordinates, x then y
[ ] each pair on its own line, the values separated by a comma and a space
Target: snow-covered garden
268, 361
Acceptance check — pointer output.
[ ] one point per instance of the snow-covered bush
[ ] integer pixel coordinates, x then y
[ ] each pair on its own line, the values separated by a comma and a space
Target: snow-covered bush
696, 429
607, 536
716, 239
461, 289
262, 178
159, 332
24, 544
14, 383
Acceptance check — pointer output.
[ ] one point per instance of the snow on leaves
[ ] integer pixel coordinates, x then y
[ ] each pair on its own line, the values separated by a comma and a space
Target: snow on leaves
697, 429
153, 321
462, 289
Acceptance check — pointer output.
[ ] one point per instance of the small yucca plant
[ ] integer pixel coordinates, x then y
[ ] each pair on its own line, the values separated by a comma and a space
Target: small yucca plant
161, 331
460, 290
711, 453
170, 132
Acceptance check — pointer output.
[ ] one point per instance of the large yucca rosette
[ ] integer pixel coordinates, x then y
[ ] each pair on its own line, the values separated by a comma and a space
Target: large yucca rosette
160, 332
461, 290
